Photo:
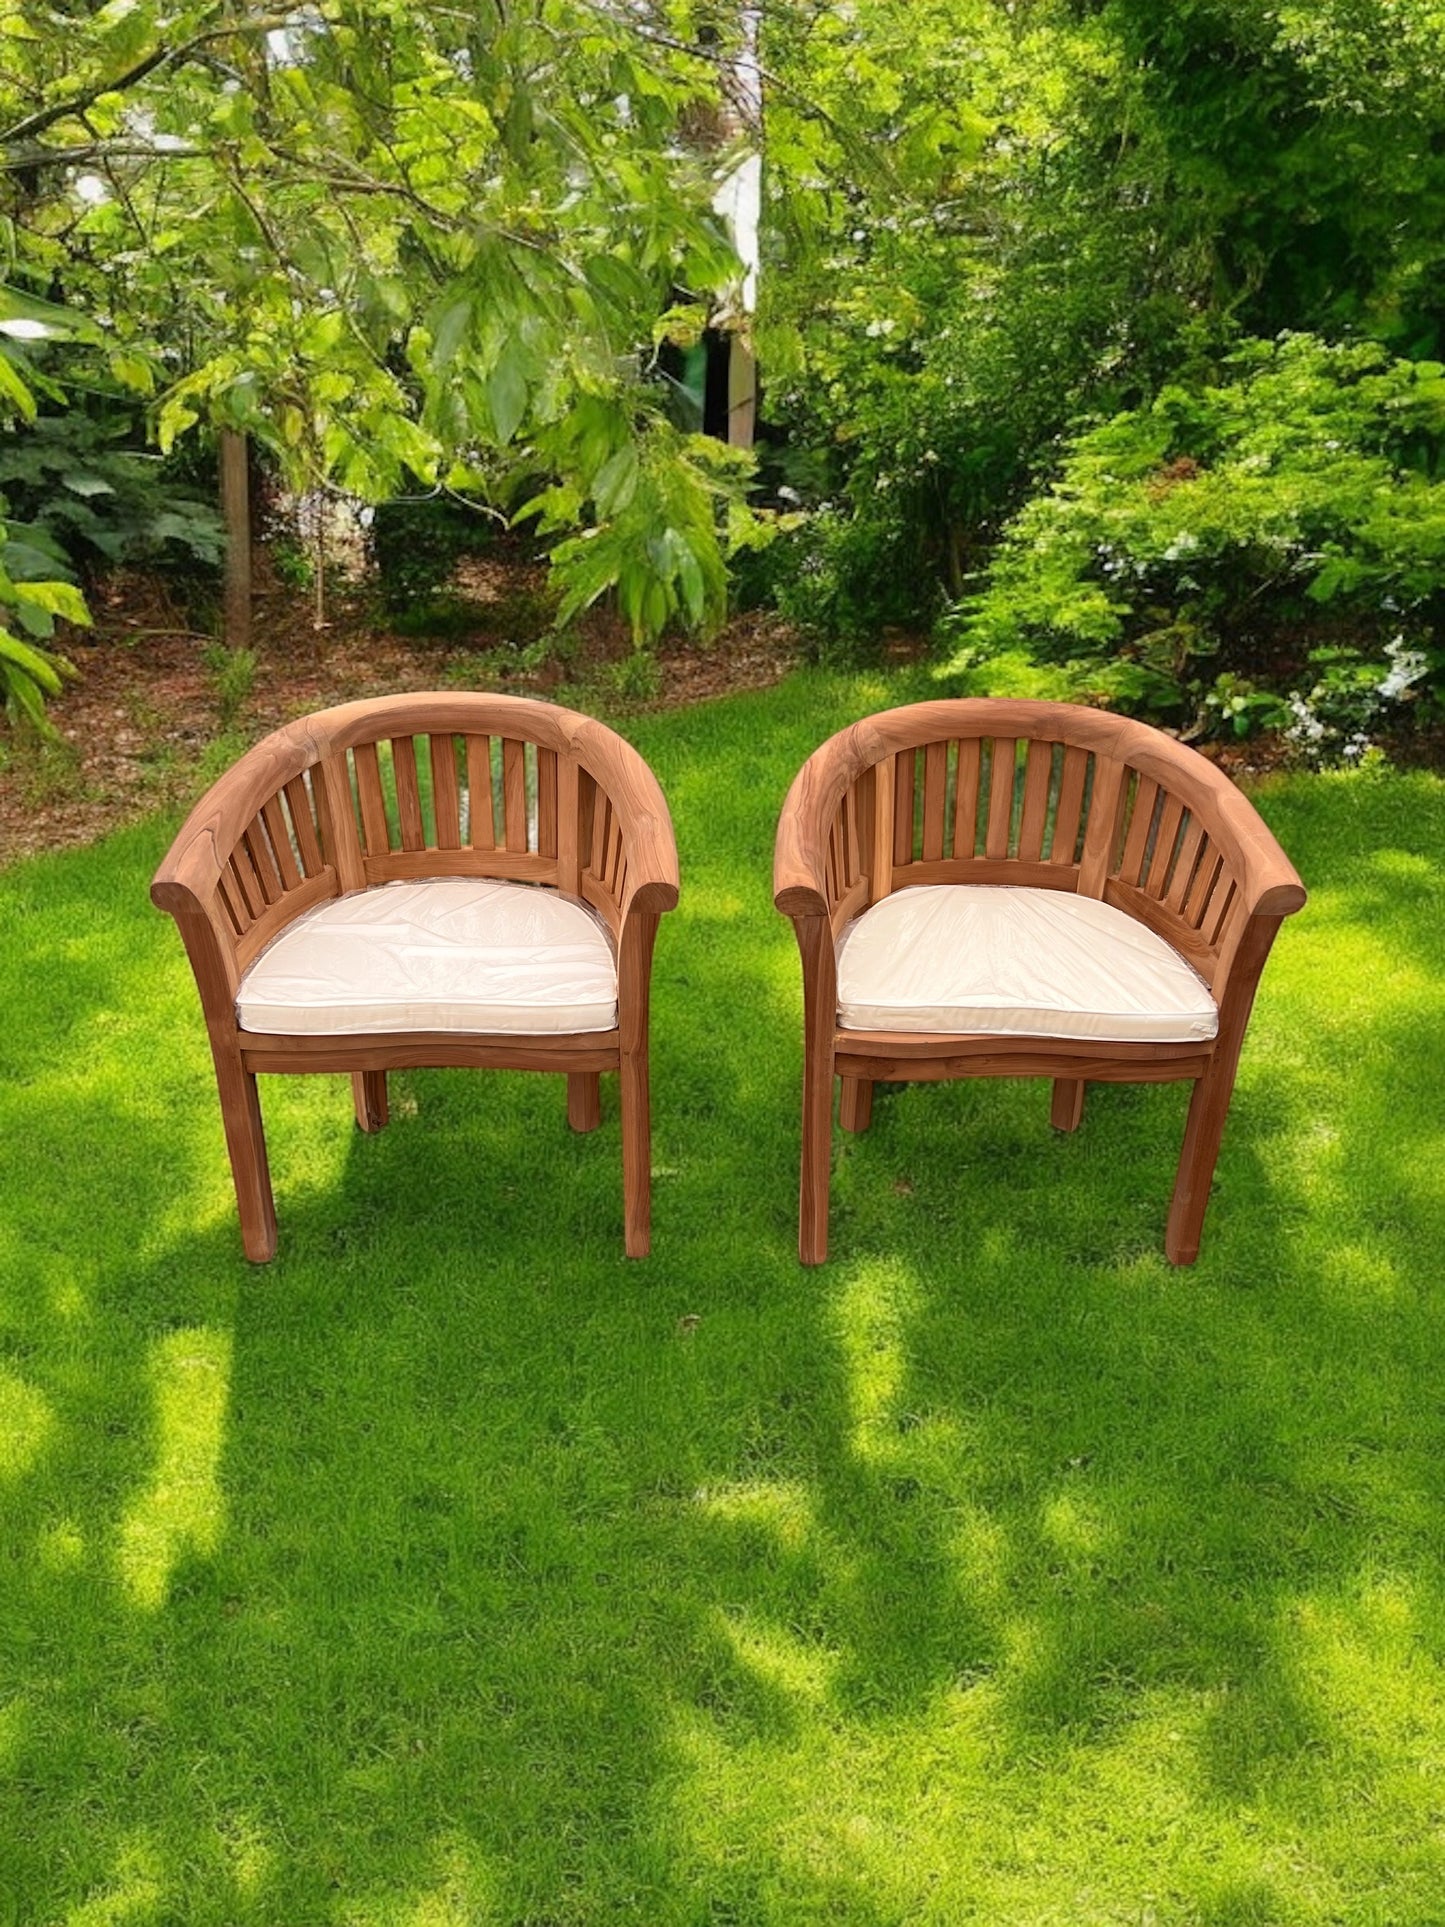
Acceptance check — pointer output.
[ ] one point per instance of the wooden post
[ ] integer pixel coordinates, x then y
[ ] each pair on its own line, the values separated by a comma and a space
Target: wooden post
236, 514
742, 391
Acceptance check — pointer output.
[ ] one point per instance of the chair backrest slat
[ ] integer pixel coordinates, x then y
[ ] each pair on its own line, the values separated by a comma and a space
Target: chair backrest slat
375, 831
852, 840
1002, 764
1145, 794
905, 777
1189, 853
880, 867
279, 832
408, 794
258, 848
446, 797
302, 804
247, 882
546, 802
1218, 914
569, 825
514, 792
1038, 783
1069, 814
1208, 871
935, 790
965, 799
601, 831
481, 822
1166, 846
232, 902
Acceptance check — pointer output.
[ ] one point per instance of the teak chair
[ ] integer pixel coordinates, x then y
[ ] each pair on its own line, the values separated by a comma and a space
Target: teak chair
1140, 966
421, 881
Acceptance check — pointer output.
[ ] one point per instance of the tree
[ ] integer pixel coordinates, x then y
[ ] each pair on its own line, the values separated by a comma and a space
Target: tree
1048, 211
400, 242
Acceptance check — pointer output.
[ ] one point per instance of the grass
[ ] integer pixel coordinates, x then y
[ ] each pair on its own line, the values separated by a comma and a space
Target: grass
455, 1570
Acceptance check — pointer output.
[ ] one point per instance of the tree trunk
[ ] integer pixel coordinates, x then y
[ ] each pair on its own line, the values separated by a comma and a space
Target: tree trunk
236, 513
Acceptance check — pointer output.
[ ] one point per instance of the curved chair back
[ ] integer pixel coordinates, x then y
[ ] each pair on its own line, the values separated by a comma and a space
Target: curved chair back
419, 786
1043, 794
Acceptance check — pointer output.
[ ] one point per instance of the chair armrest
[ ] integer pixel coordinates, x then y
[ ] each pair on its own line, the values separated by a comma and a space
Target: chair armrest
800, 864
649, 846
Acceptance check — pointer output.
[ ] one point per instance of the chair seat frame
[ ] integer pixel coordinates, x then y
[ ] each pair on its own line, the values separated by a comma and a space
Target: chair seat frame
304, 817
1041, 795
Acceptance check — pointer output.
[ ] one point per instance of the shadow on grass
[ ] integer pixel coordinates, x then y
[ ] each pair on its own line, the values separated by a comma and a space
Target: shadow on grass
454, 1569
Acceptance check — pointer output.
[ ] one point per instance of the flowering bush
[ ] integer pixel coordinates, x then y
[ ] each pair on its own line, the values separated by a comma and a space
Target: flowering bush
1269, 550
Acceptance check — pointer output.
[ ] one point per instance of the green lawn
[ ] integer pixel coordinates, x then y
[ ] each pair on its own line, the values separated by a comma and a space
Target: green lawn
453, 1569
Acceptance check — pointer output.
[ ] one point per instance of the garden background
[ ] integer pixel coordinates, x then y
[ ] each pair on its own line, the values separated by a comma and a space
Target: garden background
452, 1569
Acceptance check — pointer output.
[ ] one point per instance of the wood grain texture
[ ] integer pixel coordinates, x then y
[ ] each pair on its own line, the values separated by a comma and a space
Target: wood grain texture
514, 792
369, 1100
1038, 780
584, 1100
371, 799
1109, 808
446, 794
481, 819
408, 794
1066, 1112
965, 799
1001, 771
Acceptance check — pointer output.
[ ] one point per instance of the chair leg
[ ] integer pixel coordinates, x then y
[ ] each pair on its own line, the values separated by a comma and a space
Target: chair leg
815, 946
1068, 1106
817, 1159
368, 1094
636, 1151
855, 1105
1208, 1108
584, 1100
246, 1145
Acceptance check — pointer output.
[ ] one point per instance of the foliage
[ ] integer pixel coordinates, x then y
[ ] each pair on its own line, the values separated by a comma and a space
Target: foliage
233, 676
417, 542
35, 590
398, 242
1059, 209
1232, 535
37, 585
104, 502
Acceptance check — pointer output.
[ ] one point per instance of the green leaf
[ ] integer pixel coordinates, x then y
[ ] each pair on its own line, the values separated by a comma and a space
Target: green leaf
450, 329
24, 318
14, 390
615, 483
507, 395
133, 371
86, 485
54, 598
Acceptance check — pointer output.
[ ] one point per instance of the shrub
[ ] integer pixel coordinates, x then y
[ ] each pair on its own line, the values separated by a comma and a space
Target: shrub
102, 502
1280, 532
36, 589
416, 544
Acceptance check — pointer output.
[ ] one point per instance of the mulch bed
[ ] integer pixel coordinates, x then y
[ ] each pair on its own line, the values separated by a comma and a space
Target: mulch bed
142, 710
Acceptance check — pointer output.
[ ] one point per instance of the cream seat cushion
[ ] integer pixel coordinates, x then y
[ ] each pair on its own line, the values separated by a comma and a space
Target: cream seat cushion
449, 953
974, 958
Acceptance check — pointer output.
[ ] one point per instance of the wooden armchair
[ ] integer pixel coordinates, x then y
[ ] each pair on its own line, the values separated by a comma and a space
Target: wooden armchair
1166, 890
420, 881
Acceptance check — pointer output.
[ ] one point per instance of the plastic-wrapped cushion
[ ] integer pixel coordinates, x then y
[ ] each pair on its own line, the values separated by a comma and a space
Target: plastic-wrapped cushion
450, 953
1036, 963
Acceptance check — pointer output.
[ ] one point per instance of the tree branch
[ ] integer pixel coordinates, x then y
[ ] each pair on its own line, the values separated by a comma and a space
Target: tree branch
100, 151
46, 117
